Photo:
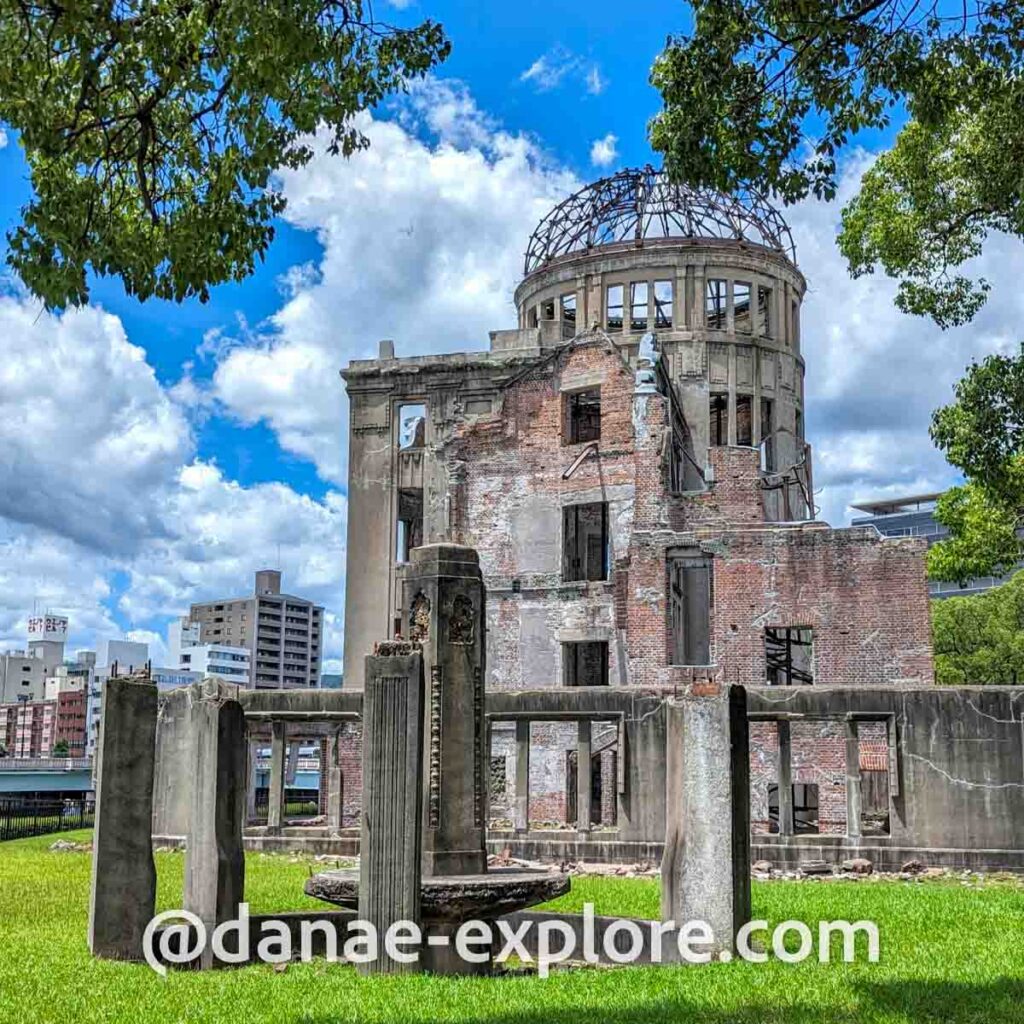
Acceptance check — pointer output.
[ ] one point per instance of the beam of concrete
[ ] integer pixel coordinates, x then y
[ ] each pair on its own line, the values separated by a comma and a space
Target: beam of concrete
705, 871
391, 836
335, 781
275, 796
785, 778
123, 894
853, 795
214, 860
521, 808
583, 790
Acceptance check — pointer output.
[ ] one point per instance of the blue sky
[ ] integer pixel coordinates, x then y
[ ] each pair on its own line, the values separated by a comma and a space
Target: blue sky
156, 454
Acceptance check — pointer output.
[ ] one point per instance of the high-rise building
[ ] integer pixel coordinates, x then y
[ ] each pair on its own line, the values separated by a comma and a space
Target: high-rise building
282, 633
47, 635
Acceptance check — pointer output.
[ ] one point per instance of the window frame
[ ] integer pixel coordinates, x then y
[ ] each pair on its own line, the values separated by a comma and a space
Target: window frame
609, 320
572, 419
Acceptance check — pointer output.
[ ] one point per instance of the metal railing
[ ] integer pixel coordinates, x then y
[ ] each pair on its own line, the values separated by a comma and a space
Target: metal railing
44, 764
37, 816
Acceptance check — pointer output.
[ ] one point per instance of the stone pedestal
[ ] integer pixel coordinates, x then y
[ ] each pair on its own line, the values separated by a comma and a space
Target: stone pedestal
123, 894
705, 871
443, 611
391, 833
214, 859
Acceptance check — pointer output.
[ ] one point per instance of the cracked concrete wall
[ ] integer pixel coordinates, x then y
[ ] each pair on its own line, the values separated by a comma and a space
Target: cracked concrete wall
960, 759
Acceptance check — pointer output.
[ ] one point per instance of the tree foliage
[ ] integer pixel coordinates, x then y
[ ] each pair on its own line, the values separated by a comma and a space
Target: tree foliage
980, 639
152, 128
60, 749
982, 434
766, 93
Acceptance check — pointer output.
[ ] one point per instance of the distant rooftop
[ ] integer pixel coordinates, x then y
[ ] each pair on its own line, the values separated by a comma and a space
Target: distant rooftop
894, 506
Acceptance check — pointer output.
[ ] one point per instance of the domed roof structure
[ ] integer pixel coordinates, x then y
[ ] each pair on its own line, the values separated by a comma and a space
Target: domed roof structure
641, 204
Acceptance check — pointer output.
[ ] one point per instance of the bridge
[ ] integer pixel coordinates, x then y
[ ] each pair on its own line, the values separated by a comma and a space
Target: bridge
45, 775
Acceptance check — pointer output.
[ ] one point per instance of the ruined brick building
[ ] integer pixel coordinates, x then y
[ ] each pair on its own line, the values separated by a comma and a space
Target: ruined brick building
630, 462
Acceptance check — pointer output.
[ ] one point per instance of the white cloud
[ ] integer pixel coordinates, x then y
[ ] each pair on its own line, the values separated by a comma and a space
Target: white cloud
422, 242
104, 505
559, 65
85, 427
604, 151
3, 138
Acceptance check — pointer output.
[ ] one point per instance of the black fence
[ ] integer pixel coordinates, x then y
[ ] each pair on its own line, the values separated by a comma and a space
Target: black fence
298, 803
36, 816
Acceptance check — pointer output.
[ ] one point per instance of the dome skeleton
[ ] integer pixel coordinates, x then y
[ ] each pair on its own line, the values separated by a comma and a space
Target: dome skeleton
642, 204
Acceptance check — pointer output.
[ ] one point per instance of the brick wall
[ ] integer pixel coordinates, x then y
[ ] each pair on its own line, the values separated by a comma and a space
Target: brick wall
865, 598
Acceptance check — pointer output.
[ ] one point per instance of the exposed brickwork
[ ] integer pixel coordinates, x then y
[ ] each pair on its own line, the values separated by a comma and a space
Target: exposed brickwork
764, 771
350, 757
503, 477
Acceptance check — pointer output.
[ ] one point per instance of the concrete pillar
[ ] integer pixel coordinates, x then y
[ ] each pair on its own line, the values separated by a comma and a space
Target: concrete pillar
292, 762
785, 777
251, 778
521, 807
392, 819
705, 872
123, 893
335, 781
485, 767
275, 805
214, 861
443, 610
583, 790
853, 796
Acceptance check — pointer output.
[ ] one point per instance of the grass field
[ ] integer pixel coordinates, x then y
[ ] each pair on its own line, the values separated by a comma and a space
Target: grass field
948, 953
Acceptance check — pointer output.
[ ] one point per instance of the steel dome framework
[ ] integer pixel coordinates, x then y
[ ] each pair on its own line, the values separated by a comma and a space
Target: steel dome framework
641, 204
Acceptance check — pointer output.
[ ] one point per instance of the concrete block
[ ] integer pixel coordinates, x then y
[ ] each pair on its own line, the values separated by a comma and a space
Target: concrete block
214, 859
705, 873
392, 823
123, 893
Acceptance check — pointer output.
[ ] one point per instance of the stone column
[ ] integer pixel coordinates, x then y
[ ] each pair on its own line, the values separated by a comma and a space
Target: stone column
214, 861
785, 778
251, 777
123, 894
275, 796
392, 820
705, 872
853, 795
583, 790
443, 610
335, 781
521, 807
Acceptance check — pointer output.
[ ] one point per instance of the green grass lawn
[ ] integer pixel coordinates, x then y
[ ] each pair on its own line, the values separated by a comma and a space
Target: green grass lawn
949, 953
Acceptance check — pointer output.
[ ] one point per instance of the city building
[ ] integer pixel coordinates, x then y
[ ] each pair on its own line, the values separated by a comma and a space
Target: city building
34, 728
630, 463
23, 674
233, 664
282, 633
172, 678
47, 635
128, 655
914, 516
